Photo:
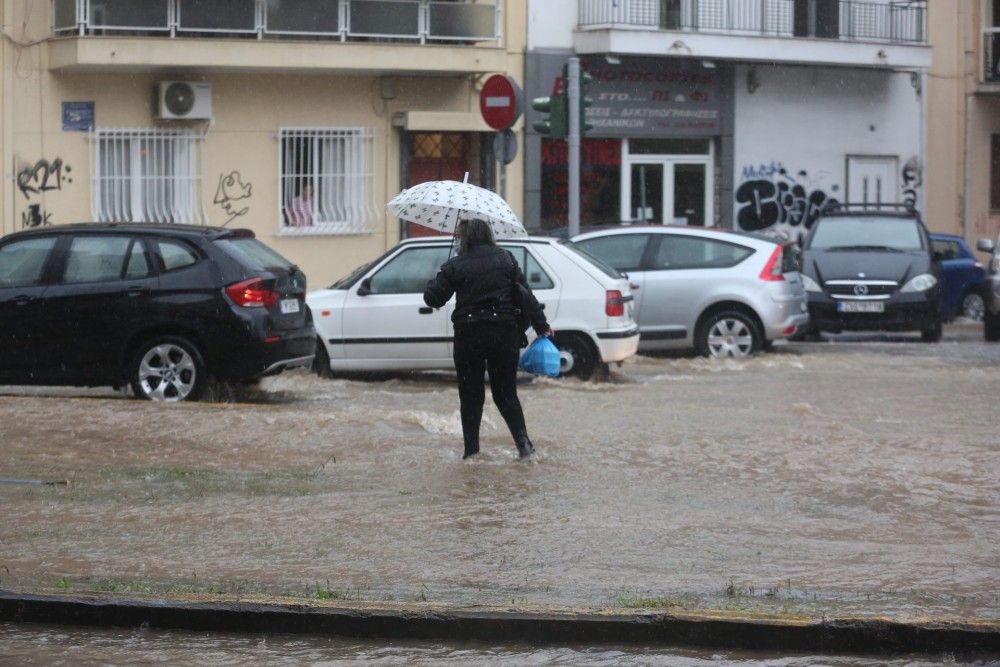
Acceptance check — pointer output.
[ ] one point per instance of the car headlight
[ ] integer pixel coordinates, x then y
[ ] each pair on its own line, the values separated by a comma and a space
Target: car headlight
920, 283
810, 284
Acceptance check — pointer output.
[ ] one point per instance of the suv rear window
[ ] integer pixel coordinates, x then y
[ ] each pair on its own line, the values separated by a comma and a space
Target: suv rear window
253, 254
875, 233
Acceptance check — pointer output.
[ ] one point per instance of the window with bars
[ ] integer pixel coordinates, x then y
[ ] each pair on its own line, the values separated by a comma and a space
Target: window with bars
326, 180
146, 175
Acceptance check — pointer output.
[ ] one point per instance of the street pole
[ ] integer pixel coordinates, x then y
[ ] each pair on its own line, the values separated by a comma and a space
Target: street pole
503, 169
573, 138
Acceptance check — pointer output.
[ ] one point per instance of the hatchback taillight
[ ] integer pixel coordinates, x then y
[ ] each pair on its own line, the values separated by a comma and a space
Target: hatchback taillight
252, 294
614, 304
772, 270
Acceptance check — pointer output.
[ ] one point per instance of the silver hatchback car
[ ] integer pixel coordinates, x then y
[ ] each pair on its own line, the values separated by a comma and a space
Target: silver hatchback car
725, 294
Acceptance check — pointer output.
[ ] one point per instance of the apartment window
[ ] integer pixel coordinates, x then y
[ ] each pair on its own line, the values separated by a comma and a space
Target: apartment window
146, 175
326, 180
995, 172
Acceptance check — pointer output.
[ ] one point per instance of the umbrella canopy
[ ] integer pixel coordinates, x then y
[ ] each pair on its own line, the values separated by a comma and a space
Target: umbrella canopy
441, 204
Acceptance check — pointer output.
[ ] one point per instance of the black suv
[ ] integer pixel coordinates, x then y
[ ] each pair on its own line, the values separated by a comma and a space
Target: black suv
871, 267
157, 307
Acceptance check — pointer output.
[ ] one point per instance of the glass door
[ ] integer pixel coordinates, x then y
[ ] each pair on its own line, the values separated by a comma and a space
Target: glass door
647, 192
668, 190
690, 194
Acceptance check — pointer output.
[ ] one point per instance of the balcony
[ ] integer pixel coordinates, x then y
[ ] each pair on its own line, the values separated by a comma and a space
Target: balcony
846, 32
279, 34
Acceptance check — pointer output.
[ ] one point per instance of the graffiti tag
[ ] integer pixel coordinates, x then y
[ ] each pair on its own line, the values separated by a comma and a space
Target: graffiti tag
43, 176
34, 216
911, 181
232, 189
775, 200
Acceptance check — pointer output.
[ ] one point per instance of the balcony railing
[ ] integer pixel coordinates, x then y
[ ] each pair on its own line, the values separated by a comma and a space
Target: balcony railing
896, 21
991, 55
418, 21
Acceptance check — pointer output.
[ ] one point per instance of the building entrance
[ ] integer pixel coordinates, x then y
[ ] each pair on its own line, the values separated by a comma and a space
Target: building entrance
668, 188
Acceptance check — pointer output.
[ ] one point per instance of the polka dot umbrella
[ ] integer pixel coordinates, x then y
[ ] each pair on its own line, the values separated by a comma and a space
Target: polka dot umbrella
441, 204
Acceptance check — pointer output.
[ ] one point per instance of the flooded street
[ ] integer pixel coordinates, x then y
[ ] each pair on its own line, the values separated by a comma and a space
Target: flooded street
856, 476
25, 645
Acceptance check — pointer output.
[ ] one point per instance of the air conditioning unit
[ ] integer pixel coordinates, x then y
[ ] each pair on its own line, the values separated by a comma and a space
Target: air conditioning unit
184, 100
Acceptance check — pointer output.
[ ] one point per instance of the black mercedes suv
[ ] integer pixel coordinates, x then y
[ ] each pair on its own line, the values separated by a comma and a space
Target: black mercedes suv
157, 307
871, 267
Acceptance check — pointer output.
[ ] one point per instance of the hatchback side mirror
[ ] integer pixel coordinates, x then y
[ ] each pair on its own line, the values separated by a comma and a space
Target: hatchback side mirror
984, 245
366, 287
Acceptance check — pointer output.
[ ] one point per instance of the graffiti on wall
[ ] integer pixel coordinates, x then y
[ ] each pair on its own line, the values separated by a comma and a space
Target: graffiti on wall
34, 216
43, 176
232, 195
772, 199
912, 180
35, 180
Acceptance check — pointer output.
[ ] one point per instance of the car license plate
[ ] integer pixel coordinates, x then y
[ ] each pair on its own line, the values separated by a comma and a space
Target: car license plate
860, 307
289, 306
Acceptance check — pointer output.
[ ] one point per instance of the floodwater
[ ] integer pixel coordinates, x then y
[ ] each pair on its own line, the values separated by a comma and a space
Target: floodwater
27, 645
840, 478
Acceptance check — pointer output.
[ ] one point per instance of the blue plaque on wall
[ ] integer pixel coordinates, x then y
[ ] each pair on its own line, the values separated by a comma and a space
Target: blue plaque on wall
77, 116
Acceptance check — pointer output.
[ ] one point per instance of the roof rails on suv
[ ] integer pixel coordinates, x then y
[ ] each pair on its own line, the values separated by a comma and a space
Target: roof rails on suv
847, 208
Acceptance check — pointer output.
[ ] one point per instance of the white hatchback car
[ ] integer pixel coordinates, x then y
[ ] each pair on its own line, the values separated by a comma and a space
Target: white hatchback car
375, 318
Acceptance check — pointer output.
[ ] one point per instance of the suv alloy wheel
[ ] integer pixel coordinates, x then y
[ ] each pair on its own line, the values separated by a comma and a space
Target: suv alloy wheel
167, 369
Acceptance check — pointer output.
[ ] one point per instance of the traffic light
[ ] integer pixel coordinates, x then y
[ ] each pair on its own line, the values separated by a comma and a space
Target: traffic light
556, 125
585, 80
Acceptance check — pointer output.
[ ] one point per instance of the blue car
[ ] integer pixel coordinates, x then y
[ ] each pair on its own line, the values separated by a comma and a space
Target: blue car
962, 275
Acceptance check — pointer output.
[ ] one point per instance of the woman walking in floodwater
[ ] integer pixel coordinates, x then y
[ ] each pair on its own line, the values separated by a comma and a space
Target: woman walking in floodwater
487, 334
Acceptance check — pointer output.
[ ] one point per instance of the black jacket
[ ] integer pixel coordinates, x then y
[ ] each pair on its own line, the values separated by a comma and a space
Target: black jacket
483, 281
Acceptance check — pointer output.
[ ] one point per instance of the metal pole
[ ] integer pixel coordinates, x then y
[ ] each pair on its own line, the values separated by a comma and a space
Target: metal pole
573, 111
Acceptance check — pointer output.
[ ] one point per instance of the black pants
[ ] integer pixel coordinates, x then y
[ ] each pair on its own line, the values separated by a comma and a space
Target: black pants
492, 346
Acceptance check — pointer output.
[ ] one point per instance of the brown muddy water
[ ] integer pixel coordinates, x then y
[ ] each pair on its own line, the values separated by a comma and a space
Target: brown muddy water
849, 477
45, 645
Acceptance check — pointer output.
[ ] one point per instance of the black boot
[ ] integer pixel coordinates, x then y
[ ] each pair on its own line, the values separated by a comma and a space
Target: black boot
470, 451
524, 447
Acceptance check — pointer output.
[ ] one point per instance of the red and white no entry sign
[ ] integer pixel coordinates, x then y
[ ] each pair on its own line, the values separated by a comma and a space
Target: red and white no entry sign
500, 101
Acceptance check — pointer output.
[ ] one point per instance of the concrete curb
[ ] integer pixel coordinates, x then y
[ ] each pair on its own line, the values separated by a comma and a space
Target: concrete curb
705, 630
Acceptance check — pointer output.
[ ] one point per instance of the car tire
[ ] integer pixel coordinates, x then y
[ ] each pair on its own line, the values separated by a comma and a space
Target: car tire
991, 327
932, 334
577, 355
728, 333
321, 362
167, 369
973, 306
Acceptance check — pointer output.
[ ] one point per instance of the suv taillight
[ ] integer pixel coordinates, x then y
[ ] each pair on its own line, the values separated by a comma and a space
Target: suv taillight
614, 304
252, 294
772, 270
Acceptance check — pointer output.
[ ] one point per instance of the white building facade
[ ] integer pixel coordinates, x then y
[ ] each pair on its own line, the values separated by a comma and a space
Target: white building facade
746, 114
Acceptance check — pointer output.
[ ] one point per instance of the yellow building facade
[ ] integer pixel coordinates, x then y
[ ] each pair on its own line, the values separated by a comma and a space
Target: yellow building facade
296, 120
963, 170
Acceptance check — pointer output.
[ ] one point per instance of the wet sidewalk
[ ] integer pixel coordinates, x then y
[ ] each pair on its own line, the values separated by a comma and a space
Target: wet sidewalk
826, 479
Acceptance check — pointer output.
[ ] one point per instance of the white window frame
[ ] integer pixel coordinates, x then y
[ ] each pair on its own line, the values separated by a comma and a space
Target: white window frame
146, 175
338, 163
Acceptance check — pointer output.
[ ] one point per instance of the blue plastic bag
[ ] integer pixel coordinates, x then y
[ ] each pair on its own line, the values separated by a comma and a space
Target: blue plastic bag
541, 358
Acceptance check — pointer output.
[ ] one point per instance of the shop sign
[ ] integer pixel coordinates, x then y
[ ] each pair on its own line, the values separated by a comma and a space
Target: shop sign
653, 97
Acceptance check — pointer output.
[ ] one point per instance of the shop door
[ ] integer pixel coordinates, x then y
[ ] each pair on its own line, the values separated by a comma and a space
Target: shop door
668, 191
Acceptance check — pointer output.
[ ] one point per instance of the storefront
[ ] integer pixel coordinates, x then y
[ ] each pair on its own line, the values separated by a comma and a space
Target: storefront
660, 150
